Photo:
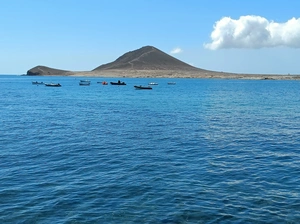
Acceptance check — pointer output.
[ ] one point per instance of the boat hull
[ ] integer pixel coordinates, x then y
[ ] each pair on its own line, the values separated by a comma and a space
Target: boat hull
118, 83
84, 82
53, 84
143, 87
37, 83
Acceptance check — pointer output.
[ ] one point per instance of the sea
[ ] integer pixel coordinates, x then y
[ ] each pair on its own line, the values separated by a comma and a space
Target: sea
199, 151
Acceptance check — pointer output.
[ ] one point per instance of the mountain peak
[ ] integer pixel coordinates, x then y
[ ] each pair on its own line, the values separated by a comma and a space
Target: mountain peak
146, 58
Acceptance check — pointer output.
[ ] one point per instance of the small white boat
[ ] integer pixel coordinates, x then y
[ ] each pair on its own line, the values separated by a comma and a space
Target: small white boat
53, 84
152, 83
85, 82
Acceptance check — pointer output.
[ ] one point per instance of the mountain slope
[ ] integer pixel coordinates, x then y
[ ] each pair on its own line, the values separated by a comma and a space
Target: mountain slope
43, 70
147, 58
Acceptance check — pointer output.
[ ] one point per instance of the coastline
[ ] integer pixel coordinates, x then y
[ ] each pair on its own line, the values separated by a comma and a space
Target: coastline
175, 74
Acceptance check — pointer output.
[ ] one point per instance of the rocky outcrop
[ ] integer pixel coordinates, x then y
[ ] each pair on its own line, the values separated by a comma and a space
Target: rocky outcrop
44, 71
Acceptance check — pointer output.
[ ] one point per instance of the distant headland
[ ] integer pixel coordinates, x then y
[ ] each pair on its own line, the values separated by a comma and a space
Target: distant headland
150, 62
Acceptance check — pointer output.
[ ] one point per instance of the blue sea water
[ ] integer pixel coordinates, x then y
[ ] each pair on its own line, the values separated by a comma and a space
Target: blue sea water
200, 151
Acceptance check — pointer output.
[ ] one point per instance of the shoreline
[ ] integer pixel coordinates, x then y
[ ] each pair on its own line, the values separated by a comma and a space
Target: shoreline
173, 74
180, 74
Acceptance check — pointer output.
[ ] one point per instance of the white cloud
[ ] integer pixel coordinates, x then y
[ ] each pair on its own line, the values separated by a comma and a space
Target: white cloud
254, 32
176, 50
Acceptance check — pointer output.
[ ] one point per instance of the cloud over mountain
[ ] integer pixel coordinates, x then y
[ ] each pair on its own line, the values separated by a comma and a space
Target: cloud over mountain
176, 50
254, 32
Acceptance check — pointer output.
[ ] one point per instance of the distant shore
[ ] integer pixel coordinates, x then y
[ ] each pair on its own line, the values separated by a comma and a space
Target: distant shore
178, 74
150, 62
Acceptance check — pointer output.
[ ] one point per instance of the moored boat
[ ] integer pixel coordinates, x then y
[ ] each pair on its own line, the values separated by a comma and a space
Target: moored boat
103, 83
53, 84
152, 83
118, 83
142, 87
37, 83
84, 82
171, 83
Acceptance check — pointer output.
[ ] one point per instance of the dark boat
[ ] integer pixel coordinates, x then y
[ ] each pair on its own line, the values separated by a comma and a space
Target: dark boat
118, 83
53, 84
142, 87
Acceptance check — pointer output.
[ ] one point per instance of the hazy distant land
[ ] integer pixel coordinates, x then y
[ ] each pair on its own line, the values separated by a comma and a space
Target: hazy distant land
150, 62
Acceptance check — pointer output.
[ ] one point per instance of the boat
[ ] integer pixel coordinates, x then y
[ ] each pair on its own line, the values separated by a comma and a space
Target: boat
118, 83
171, 83
37, 83
103, 83
152, 83
142, 87
85, 82
53, 84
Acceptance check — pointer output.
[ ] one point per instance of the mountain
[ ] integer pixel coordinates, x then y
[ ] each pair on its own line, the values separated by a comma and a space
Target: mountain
149, 62
43, 70
147, 58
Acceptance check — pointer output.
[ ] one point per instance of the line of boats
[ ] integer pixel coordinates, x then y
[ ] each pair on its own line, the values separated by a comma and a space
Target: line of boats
88, 82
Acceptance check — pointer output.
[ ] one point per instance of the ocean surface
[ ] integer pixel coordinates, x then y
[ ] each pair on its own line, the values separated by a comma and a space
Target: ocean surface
200, 151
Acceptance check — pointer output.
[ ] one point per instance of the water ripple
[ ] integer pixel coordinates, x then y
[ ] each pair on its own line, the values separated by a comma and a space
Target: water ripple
213, 151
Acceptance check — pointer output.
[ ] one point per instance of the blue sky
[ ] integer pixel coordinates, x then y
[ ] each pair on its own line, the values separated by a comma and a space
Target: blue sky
257, 36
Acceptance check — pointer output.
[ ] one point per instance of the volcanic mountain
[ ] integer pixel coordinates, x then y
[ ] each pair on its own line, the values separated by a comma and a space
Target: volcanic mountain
147, 58
43, 70
150, 62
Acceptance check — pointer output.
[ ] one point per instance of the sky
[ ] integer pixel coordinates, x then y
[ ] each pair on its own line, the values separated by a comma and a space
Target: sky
239, 36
